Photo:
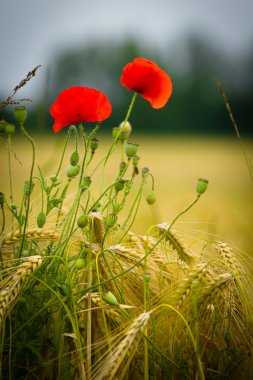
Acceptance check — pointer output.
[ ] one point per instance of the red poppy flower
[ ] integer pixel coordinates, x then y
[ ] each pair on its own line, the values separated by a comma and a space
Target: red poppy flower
146, 78
79, 104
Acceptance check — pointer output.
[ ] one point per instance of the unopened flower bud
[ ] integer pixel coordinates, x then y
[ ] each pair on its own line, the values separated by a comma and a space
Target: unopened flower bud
119, 185
110, 220
74, 158
72, 171
20, 114
201, 185
80, 263
131, 149
110, 298
10, 128
41, 219
151, 197
125, 128
145, 172
82, 221
13, 207
85, 183
115, 133
93, 144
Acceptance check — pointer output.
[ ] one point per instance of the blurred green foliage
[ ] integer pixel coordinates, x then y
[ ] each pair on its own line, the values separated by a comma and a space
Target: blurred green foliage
196, 106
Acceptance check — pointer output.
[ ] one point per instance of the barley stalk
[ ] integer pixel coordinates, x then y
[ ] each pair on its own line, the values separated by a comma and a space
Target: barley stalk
12, 288
227, 254
112, 363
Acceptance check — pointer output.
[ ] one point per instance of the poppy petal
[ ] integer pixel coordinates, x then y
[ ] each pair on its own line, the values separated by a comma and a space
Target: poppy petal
149, 80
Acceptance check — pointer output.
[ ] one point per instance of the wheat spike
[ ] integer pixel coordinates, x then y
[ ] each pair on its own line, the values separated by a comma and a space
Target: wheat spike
112, 363
34, 233
12, 287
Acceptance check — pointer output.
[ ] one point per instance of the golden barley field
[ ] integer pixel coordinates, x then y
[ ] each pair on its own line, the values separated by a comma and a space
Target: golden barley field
225, 212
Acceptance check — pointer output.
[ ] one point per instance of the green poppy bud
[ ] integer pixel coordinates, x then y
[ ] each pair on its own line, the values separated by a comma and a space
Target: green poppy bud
201, 185
147, 277
82, 221
151, 197
28, 187
54, 202
2, 199
144, 172
119, 185
93, 144
56, 181
20, 114
85, 183
110, 220
110, 298
131, 149
13, 207
10, 129
79, 264
74, 158
41, 219
72, 171
125, 129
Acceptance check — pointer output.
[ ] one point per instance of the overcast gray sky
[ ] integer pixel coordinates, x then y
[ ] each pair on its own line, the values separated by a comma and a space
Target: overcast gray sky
31, 30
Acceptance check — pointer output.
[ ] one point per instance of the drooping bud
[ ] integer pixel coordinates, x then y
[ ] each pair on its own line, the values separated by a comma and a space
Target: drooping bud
85, 183
55, 180
110, 298
20, 114
151, 197
74, 158
82, 221
93, 144
119, 185
72, 171
131, 149
41, 219
201, 185
110, 220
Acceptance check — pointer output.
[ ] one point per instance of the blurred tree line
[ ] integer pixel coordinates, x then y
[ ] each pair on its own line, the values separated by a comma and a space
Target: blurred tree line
194, 65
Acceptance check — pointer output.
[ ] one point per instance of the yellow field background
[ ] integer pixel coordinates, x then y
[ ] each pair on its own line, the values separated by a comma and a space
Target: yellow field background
224, 212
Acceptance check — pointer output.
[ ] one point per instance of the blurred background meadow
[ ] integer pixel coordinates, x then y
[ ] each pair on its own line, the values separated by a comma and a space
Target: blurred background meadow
197, 43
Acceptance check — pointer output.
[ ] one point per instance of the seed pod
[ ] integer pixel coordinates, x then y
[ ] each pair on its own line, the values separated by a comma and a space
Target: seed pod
93, 144
131, 149
119, 185
41, 219
135, 160
28, 187
201, 185
72, 171
151, 197
82, 221
20, 114
79, 264
147, 277
122, 168
74, 158
110, 298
